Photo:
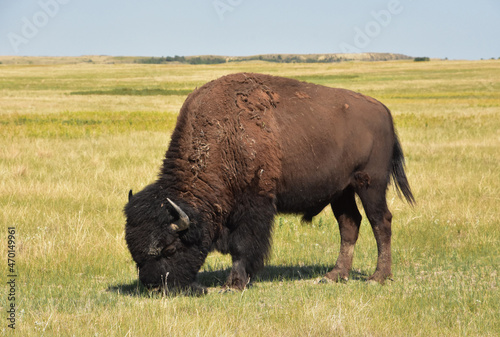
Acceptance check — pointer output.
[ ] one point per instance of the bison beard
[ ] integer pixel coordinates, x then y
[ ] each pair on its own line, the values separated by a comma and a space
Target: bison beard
247, 146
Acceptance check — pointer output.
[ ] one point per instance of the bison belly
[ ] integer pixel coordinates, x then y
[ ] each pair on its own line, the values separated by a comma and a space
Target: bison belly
322, 148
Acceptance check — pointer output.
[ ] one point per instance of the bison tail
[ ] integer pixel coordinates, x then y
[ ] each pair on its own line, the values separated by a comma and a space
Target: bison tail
398, 173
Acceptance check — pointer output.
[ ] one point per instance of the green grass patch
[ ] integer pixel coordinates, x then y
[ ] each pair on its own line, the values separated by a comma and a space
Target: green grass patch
323, 79
135, 92
84, 124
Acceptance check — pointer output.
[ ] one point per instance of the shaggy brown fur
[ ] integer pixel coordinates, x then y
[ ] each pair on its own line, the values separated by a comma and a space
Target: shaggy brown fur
247, 146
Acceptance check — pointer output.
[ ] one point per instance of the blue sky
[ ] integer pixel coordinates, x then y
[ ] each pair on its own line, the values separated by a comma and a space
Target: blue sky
456, 29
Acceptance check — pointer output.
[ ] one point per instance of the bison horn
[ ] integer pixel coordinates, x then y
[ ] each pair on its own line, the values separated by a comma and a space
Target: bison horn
183, 222
130, 195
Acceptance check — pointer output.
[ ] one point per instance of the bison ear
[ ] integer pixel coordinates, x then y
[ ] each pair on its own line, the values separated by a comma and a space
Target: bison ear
130, 195
183, 222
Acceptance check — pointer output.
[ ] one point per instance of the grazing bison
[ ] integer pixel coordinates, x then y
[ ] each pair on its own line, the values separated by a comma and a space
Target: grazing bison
247, 146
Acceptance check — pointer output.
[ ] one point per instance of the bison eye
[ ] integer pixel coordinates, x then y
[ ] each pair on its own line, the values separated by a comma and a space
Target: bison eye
167, 251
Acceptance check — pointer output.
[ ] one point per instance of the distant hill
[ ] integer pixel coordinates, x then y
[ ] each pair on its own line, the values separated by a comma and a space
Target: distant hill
204, 59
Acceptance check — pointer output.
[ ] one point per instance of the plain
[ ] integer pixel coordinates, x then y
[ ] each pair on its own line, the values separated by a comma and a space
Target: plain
75, 138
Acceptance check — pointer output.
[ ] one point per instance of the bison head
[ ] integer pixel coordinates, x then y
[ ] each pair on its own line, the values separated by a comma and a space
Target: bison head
165, 244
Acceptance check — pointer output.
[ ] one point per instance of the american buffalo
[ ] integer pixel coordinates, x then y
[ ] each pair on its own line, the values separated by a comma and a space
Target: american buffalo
247, 146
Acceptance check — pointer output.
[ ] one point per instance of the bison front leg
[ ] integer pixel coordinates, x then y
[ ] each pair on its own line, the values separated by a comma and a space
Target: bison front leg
249, 241
348, 217
240, 275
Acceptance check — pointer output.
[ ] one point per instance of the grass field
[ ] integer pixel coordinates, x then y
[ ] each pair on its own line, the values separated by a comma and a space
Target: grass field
75, 138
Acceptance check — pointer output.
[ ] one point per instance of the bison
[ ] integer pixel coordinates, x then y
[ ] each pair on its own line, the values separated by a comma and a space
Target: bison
247, 146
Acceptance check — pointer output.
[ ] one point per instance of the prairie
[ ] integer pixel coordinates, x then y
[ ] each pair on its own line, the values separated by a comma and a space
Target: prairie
76, 137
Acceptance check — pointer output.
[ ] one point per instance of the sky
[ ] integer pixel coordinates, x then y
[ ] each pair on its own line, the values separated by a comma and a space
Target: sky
453, 29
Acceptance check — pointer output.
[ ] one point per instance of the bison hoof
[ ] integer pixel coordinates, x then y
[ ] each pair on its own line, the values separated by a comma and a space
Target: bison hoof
379, 277
237, 280
337, 276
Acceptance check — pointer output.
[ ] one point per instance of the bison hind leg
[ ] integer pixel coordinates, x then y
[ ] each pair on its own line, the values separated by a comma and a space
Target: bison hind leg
349, 219
374, 203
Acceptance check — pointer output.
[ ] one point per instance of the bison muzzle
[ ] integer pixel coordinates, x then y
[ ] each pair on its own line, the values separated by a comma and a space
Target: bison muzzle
247, 146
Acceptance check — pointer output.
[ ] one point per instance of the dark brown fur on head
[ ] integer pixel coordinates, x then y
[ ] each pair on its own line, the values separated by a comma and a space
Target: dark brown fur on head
164, 257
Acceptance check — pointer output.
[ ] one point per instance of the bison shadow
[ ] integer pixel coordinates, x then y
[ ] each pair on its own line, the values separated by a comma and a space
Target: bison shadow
217, 278
277, 273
